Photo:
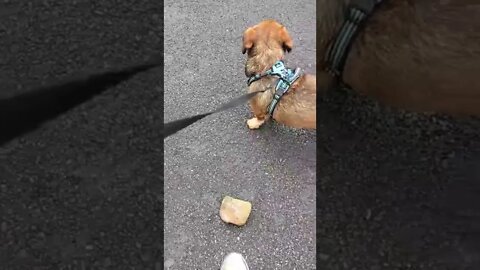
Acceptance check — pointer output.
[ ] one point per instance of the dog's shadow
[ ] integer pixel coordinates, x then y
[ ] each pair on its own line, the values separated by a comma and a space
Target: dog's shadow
399, 188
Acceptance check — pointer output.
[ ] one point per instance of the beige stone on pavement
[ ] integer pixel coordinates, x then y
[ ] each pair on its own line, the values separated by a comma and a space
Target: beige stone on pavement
235, 211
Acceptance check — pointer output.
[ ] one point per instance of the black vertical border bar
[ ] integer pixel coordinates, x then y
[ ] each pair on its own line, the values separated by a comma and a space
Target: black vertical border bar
160, 90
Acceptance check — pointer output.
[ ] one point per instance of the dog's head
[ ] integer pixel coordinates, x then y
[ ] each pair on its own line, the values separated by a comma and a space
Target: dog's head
269, 33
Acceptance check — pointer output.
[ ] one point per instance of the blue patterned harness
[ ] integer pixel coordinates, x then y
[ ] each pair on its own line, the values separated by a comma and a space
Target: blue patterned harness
286, 77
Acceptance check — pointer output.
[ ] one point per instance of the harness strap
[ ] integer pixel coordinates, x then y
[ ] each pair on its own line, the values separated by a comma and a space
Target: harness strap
281, 88
286, 77
357, 12
278, 69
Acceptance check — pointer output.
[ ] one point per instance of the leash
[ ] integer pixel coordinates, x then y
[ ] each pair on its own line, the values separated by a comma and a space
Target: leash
177, 125
286, 77
355, 17
26, 112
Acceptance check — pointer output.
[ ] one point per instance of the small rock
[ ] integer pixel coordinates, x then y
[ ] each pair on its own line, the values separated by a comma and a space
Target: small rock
235, 211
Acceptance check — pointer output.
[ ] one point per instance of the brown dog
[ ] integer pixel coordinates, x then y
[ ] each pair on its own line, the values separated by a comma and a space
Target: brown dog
265, 44
416, 55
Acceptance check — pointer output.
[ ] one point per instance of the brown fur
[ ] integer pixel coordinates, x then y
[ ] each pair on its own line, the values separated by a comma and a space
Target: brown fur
266, 43
416, 55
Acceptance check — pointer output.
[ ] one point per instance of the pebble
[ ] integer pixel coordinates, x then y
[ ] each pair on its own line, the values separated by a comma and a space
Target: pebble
235, 211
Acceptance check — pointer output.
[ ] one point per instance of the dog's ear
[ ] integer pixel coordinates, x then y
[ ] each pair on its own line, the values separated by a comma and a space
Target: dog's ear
249, 37
285, 39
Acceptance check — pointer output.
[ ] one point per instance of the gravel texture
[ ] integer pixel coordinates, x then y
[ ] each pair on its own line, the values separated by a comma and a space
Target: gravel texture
397, 190
84, 191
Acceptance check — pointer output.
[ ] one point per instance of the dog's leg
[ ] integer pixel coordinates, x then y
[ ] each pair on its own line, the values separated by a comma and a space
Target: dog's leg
255, 123
259, 110
258, 120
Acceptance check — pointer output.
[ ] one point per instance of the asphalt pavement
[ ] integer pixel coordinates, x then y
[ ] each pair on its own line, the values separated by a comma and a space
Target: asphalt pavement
85, 190
273, 168
396, 190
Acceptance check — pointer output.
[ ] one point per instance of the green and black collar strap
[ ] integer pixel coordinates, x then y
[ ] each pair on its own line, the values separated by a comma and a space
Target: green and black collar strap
357, 13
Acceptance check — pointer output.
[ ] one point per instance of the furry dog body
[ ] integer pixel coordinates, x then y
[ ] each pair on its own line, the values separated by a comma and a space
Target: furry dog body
265, 44
416, 55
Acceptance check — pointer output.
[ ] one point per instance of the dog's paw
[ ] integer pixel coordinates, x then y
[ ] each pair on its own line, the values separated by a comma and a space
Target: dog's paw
254, 123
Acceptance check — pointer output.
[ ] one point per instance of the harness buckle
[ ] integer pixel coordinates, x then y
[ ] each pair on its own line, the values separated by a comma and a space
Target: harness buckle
286, 77
279, 69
